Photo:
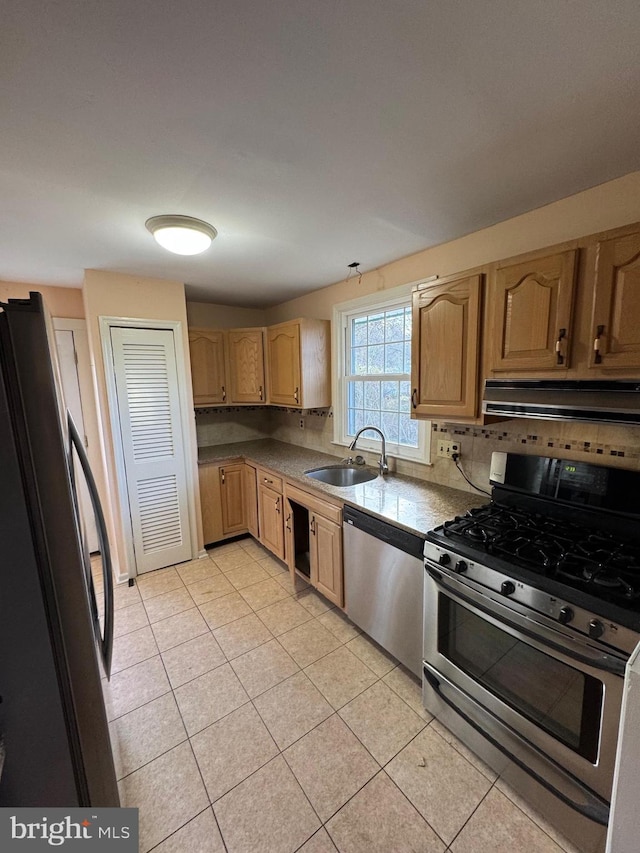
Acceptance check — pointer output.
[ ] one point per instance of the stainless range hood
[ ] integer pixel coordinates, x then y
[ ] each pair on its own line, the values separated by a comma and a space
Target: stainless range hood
595, 400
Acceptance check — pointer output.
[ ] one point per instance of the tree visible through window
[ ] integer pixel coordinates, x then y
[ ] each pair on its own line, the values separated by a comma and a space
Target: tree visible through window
378, 374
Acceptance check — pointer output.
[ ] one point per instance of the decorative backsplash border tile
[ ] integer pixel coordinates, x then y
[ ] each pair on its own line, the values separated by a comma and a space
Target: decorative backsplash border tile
546, 442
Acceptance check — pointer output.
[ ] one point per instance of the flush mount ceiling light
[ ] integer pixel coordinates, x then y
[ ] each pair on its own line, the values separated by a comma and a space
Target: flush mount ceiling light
183, 235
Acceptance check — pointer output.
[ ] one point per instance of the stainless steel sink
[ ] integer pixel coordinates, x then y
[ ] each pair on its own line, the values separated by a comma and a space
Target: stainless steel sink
342, 475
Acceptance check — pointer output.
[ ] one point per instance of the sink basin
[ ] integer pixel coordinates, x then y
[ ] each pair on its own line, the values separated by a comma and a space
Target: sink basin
342, 475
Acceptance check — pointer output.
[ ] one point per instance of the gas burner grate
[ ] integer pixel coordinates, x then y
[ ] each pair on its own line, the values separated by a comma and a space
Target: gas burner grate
596, 562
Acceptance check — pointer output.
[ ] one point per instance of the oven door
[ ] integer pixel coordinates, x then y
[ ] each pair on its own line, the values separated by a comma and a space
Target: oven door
556, 700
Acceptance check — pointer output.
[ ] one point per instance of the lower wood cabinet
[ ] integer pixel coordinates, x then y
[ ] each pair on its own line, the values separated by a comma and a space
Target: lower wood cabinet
251, 500
270, 512
313, 539
232, 502
222, 500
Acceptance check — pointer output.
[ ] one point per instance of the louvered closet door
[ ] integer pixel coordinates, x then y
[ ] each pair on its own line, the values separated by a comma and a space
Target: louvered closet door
150, 427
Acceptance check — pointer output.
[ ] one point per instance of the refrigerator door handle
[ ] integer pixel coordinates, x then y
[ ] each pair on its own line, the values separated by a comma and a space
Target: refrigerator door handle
106, 638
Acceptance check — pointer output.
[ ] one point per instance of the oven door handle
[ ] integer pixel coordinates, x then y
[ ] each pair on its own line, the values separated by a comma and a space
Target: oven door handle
600, 661
593, 807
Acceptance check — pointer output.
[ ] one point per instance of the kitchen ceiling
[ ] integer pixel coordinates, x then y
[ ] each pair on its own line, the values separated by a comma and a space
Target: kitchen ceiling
310, 133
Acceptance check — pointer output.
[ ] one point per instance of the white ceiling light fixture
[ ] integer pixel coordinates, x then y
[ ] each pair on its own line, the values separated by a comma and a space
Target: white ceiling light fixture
183, 235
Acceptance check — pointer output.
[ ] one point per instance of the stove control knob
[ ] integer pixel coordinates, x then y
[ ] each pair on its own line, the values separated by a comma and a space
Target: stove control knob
596, 629
565, 616
445, 559
508, 588
460, 567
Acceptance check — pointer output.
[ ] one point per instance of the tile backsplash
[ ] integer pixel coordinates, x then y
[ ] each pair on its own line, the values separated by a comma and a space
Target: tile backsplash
601, 444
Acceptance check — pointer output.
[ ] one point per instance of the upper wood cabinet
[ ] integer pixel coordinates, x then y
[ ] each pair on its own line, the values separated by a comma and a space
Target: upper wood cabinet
208, 367
298, 359
615, 318
445, 348
530, 320
245, 357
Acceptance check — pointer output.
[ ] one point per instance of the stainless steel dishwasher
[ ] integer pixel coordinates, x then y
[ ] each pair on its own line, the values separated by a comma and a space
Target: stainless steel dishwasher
383, 580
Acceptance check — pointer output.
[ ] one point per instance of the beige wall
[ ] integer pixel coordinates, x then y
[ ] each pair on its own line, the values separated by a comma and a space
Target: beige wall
115, 295
209, 315
606, 206
61, 301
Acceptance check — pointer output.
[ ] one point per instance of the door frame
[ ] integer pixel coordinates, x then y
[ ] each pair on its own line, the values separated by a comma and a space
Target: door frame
106, 324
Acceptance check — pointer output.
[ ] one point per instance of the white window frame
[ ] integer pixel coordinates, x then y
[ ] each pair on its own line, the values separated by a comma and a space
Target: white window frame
342, 314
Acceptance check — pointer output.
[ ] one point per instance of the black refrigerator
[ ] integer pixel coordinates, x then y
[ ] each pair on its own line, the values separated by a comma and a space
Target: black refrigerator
56, 625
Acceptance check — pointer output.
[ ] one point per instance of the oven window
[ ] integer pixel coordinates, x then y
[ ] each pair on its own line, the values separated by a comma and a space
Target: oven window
562, 700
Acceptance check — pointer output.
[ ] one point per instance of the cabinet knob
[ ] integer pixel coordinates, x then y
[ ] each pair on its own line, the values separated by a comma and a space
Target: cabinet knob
414, 398
312, 525
222, 475
288, 522
296, 395
277, 504
260, 391
224, 394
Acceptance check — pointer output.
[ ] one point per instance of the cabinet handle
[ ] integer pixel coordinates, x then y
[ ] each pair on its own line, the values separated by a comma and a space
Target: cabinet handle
224, 394
597, 357
562, 334
267, 480
288, 522
278, 505
312, 526
222, 476
414, 398
296, 395
260, 391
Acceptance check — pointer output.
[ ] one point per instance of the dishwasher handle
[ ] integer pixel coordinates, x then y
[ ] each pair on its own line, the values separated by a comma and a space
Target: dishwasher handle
397, 537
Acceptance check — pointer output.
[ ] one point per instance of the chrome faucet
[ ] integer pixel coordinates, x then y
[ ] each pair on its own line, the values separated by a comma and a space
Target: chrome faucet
384, 465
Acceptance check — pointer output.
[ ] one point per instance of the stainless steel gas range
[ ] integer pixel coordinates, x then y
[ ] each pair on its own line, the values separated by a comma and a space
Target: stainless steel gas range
531, 609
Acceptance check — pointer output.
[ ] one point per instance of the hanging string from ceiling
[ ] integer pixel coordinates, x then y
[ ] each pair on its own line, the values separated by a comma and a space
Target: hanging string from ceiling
354, 267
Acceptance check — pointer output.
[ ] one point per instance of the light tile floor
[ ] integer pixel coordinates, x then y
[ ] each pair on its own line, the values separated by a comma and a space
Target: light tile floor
248, 714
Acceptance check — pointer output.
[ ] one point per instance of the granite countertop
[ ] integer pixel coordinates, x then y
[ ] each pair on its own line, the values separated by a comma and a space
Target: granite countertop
415, 505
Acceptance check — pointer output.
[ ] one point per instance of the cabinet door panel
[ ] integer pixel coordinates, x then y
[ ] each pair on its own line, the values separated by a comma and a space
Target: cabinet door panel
206, 348
246, 366
251, 500
531, 312
270, 520
284, 365
232, 495
445, 349
209, 480
326, 565
616, 305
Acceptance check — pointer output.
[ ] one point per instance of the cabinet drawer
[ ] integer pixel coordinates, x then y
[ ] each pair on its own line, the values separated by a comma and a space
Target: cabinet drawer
331, 511
272, 481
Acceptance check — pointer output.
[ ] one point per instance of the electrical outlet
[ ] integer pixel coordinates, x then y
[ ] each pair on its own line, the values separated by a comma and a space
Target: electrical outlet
446, 448
301, 423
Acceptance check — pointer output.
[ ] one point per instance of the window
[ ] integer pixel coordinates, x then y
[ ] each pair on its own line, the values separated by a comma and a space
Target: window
374, 385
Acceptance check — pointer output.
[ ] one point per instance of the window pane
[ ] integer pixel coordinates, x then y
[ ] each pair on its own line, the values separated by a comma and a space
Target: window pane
393, 358
390, 396
359, 332
358, 360
372, 395
372, 418
390, 426
408, 431
376, 359
407, 357
394, 326
407, 324
357, 394
376, 329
